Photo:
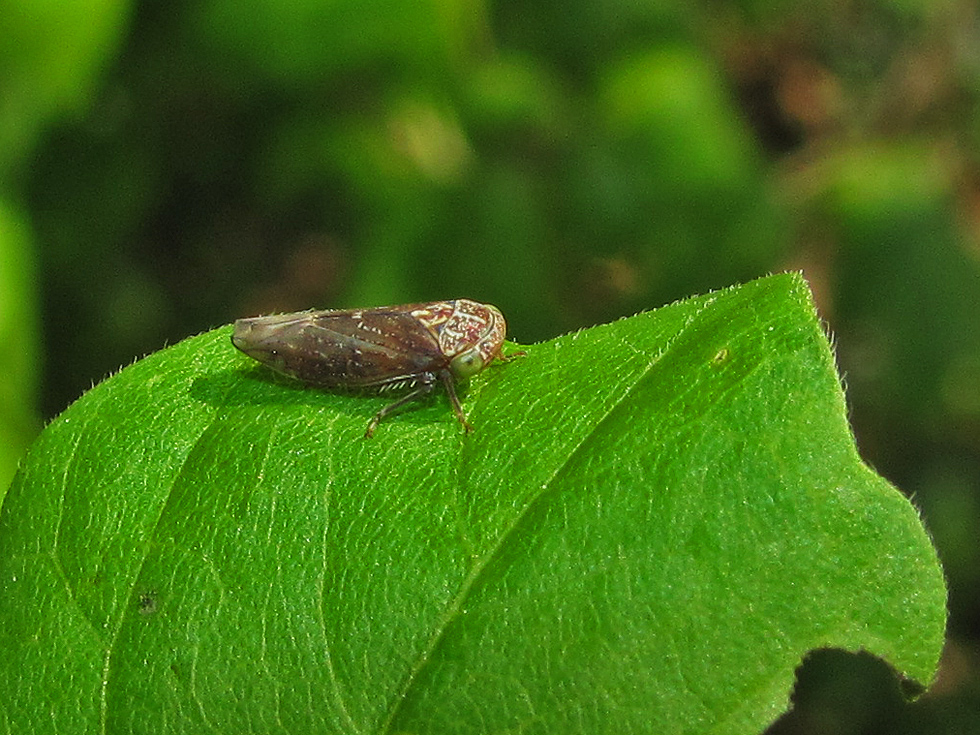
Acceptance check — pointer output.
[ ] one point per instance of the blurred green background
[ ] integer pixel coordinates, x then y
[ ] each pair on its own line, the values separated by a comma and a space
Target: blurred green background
166, 167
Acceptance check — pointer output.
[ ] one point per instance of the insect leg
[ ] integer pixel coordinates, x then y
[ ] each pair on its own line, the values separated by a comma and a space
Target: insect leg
425, 387
507, 358
447, 380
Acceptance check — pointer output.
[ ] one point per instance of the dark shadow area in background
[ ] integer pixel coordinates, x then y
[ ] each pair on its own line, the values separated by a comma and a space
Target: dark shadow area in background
841, 693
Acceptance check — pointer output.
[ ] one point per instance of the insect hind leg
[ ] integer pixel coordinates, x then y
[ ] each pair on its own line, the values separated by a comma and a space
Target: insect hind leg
426, 385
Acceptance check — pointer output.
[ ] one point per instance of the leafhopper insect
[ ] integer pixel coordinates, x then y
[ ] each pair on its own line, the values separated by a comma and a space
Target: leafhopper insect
390, 348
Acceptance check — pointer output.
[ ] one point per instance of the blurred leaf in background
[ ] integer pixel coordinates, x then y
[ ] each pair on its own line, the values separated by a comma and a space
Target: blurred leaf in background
51, 57
18, 342
571, 162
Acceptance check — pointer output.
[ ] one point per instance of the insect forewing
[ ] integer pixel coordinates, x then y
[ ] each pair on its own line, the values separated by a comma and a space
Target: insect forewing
347, 349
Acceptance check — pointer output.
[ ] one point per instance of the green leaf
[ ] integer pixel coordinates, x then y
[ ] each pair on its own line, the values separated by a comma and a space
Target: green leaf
654, 521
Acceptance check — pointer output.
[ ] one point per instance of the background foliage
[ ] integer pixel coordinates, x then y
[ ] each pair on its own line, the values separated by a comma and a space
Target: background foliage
166, 167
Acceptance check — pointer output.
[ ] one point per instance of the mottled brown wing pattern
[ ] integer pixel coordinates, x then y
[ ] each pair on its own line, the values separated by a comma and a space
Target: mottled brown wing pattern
377, 348
360, 349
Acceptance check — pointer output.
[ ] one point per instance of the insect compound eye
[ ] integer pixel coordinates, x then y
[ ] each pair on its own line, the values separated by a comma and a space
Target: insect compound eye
467, 364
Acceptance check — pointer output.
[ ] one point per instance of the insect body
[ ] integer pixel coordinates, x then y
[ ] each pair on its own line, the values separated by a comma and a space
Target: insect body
411, 346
